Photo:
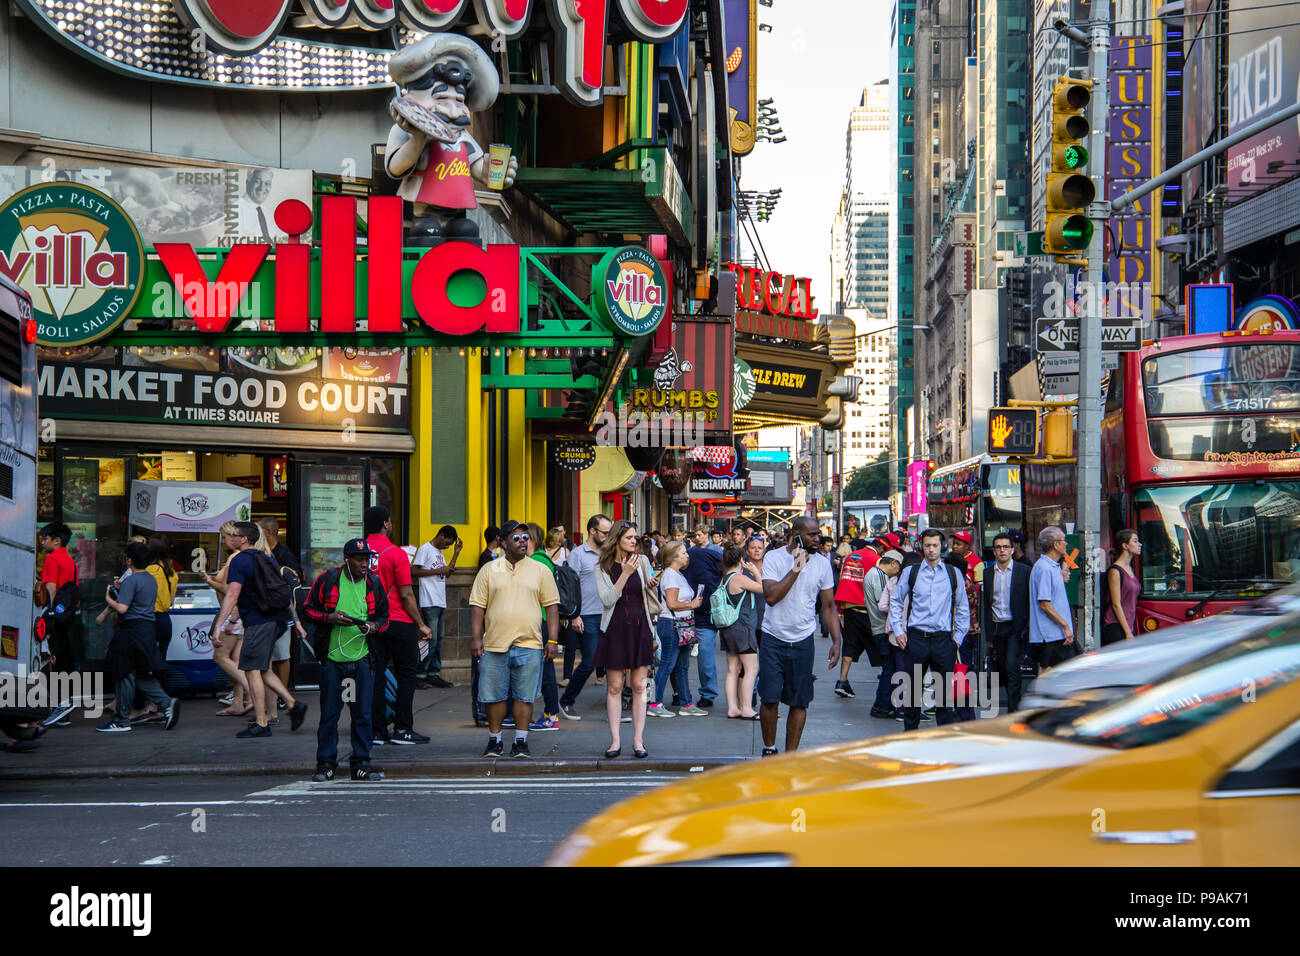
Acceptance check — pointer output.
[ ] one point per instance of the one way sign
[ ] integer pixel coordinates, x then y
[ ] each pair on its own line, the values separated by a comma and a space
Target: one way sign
1062, 335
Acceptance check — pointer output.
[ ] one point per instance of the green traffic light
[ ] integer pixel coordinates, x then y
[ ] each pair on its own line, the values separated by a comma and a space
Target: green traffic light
1076, 232
1075, 156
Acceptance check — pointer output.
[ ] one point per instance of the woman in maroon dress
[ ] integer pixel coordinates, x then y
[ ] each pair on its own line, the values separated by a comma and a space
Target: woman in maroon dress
623, 575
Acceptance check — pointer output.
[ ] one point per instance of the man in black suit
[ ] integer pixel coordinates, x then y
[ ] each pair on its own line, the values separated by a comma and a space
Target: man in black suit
1004, 613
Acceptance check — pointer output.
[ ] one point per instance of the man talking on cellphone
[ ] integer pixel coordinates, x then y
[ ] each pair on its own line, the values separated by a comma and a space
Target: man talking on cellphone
796, 579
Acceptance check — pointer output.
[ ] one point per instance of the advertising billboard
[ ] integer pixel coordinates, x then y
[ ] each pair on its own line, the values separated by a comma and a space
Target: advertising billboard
1263, 78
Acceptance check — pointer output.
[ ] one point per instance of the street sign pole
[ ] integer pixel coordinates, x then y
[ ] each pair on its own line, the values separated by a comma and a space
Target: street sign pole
1089, 434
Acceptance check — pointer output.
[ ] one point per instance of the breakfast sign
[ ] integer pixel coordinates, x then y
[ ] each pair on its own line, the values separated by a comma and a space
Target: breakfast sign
78, 254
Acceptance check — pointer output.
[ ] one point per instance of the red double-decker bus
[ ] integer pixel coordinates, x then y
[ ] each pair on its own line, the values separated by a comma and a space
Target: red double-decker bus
1201, 456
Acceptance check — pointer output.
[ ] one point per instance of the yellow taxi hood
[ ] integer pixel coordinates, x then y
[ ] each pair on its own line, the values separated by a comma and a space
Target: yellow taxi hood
926, 771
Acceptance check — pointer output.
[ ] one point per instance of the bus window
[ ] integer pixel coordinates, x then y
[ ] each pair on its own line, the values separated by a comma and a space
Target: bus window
1115, 391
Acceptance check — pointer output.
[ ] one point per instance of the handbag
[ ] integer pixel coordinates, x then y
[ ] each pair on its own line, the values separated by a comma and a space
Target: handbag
653, 606
686, 634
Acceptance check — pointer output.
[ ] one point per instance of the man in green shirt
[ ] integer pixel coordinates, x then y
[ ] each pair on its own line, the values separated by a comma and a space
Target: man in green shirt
346, 607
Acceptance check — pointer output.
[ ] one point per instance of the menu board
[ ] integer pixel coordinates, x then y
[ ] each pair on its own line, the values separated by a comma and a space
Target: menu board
179, 466
335, 511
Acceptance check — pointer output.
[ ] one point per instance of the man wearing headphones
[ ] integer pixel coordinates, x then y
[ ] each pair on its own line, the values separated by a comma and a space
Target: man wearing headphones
929, 616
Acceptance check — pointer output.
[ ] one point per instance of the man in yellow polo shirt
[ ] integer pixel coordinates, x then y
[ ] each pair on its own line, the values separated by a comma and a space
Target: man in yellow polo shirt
512, 591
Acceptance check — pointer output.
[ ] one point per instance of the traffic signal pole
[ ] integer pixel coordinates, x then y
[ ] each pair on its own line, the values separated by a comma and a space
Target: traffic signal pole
1088, 509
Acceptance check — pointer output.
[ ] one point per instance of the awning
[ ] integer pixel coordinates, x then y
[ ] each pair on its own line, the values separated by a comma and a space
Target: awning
614, 200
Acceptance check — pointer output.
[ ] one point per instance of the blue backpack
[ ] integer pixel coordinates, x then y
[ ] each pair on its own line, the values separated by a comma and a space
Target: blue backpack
722, 612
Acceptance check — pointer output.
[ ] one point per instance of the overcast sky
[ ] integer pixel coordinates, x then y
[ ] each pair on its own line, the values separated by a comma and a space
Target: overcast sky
814, 64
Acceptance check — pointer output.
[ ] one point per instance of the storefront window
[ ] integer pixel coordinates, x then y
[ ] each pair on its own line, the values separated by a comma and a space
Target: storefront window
388, 489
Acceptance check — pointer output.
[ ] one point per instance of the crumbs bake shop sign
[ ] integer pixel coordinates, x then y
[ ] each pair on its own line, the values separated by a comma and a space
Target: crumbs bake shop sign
77, 254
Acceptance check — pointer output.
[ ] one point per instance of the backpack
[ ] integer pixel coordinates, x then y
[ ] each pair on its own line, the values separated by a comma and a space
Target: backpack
569, 585
66, 604
721, 611
911, 583
273, 594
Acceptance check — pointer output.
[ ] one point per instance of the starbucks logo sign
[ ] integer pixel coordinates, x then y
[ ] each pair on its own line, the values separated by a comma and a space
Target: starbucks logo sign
78, 255
743, 385
630, 291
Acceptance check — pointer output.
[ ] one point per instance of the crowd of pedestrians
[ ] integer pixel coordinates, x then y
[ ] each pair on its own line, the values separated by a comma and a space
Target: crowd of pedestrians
632, 610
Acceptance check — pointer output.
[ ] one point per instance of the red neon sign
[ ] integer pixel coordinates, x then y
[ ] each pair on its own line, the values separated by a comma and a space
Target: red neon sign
773, 293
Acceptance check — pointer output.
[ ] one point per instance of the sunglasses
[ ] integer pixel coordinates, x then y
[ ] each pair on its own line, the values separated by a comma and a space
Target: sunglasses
520, 537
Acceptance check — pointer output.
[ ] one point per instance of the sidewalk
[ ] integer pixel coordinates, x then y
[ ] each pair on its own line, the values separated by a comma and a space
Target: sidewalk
205, 743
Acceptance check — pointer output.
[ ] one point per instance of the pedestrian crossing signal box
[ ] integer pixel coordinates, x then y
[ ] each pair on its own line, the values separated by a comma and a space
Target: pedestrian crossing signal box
1013, 431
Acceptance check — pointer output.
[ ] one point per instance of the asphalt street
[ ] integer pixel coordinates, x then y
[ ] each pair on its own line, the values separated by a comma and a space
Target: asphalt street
287, 821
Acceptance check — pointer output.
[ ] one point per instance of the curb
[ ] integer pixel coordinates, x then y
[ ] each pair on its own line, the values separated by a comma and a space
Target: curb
444, 767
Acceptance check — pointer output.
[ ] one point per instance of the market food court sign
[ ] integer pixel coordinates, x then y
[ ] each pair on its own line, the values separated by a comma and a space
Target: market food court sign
77, 254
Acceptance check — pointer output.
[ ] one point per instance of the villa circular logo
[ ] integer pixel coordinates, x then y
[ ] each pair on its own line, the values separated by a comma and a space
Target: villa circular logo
78, 255
631, 291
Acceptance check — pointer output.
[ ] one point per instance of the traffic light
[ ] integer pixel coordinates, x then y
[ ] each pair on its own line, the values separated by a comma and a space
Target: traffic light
1058, 433
1068, 230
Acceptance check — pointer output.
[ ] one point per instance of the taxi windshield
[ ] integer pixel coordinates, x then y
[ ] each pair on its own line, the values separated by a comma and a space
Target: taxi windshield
1189, 697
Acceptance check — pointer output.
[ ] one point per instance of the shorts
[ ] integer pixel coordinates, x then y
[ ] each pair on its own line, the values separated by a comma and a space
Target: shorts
785, 671
516, 673
738, 639
255, 655
857, 637
283, 648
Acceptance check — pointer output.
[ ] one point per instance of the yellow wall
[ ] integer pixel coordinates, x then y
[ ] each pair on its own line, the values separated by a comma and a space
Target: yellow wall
527, 483
611, 471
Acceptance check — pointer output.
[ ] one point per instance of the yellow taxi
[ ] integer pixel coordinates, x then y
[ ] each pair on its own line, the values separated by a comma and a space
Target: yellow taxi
1200, 766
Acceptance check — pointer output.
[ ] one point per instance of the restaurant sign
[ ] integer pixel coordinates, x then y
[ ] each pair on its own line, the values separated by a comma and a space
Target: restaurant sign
630, 291
574, 455
77, 254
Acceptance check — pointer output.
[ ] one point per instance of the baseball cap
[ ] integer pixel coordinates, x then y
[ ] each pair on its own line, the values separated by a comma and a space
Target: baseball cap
892, 555
509, 528
356, 546
962, 536
1016, 535
891, 539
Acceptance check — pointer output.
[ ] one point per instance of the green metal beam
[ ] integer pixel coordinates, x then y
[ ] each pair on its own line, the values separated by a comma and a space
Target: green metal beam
412, 338
585, 383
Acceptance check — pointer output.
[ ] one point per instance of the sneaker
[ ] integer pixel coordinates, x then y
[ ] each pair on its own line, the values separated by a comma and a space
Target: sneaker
659, 710
436, 680
520, 749
690, 710
881, 713
113, 728
494, 748
280, 704
600, 680
567, 712
704, 703
379, 740
545, 722
407, 737
769, 751
297, 714
254, 730
227, 699
323, 775
927, 714
59, 716
367, 772
626, 720
844, 689
508, 722
172, 716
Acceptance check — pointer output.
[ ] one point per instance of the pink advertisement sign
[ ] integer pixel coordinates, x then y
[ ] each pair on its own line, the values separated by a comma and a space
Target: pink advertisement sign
916, 497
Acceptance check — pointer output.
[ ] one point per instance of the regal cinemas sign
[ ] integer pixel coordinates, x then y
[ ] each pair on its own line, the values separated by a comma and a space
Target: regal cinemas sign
774, 305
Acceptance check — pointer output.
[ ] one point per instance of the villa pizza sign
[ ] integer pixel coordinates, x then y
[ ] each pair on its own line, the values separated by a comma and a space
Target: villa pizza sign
77, 254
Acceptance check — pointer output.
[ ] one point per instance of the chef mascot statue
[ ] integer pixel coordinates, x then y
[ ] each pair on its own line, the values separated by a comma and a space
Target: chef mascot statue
442, 79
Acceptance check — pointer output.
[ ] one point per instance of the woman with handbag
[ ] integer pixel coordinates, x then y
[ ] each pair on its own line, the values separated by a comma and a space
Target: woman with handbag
676, 631
741, 580
622, 579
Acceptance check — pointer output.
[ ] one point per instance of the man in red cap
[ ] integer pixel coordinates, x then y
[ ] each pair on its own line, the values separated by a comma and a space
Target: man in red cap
961, 546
